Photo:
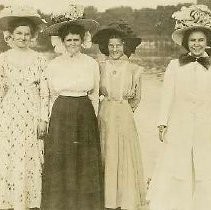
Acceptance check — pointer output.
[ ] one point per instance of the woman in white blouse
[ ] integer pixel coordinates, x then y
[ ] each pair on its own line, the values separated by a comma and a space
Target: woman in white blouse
72, 176
182, 180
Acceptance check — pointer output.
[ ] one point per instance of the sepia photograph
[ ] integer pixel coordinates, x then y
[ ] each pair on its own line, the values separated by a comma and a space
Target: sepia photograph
105, 105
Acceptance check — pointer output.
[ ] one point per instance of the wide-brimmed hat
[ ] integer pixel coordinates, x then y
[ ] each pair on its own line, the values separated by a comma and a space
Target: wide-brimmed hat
121, 28
190, 18
73, 14
88, 24
12, 13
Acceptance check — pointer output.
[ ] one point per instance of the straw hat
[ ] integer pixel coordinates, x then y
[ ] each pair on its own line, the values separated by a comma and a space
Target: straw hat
11, 13
189, 18
73, 14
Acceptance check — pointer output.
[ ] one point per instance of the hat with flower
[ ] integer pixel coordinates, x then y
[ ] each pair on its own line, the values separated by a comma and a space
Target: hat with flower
188, 18
73, 13
15, 12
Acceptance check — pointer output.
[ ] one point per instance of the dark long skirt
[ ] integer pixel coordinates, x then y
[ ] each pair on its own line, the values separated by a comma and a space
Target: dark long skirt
72, 176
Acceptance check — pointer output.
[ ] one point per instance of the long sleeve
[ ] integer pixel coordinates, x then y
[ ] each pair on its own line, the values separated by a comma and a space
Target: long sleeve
102, 89
167, 94
44, 92
94, 94
137, 83
3, 80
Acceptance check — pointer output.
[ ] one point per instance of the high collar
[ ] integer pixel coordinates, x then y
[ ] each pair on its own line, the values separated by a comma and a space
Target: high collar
204, 60
118, 61
74, 57
204, 55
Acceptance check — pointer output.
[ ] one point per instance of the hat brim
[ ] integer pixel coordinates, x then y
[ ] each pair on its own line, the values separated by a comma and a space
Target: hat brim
88, 24
178, 35
6, 20
135, 41
106, 32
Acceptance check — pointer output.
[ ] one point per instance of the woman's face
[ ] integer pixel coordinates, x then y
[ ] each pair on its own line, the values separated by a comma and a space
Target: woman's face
197, 43
21, 36
72, 43
115, 48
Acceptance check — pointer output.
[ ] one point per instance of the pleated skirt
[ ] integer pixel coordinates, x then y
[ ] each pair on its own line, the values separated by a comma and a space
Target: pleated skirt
72, 175
123, 169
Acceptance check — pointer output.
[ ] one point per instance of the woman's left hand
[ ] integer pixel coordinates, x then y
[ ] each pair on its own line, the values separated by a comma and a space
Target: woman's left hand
130, 94
42, 129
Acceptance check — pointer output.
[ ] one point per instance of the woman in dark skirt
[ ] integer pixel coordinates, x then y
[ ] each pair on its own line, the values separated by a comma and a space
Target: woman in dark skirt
72, 176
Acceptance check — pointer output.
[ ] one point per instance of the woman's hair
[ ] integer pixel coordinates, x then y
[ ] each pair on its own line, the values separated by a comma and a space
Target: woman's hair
103, 45
22, 21
187, 34
72, 28
128, 47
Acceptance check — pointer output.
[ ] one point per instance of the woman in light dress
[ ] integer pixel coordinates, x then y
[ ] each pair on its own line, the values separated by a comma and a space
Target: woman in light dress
23, 111
72, 177
182, 179
120, 86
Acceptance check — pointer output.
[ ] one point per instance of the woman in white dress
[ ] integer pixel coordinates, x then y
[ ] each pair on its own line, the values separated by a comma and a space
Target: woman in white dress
72, 177
23, 111
120, 85
182, 179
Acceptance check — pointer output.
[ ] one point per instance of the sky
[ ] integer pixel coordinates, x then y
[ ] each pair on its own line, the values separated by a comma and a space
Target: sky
101, 5
136, 4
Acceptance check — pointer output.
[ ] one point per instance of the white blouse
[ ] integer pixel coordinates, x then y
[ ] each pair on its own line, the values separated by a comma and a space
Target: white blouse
120, 79
74, 76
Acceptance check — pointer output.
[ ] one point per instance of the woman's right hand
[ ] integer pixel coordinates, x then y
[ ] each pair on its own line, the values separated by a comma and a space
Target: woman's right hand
162, 131
42, 129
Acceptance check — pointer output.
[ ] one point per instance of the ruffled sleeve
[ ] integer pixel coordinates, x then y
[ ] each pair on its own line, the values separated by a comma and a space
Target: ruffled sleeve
167, 94
94, 94
3, 78
137, 84
44, 90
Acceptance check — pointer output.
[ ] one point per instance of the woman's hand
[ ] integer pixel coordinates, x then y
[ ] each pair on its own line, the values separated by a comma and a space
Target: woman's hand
162, 131
42, 129
130, 94
103, 91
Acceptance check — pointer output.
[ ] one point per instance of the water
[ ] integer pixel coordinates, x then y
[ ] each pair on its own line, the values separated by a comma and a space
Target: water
146, 117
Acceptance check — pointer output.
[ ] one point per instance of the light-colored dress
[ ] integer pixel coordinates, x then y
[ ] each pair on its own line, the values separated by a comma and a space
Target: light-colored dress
182, 179
124, 181
23, 102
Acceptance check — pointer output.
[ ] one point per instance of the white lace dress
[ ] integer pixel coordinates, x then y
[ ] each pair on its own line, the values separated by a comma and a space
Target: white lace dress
23, 102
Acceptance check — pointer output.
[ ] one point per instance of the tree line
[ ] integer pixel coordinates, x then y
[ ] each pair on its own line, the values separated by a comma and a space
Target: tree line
147, 23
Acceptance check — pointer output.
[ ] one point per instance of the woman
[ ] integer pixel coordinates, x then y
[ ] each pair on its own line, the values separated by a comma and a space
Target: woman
121, 87
182, 179
72, 172
23, 111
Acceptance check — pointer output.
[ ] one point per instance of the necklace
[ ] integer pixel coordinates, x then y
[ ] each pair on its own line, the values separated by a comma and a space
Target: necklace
116, 66
114, 72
